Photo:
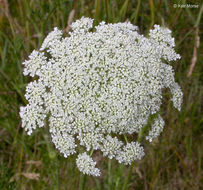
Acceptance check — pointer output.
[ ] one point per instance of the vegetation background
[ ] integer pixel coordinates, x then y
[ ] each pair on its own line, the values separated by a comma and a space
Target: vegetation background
172, 162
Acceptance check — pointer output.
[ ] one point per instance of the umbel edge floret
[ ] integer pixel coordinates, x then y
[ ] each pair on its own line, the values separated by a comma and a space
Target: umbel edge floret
99, 85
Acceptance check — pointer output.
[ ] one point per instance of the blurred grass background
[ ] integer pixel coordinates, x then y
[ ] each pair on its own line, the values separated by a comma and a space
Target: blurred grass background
172, 162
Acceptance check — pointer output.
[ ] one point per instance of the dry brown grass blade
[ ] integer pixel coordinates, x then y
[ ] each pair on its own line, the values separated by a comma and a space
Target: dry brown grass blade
6, 7
33, 176
194, 57
70, 20
137, 170
33, 162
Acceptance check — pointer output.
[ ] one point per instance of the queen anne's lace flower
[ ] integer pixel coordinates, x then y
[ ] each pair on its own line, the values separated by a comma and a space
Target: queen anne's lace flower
90, 140
157, 128
86, 165
111, 146
32, 116
92, 85
131, 152
34, 64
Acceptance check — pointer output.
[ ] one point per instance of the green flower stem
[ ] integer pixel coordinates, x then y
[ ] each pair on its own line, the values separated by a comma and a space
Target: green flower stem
82, 181
109, 174
128, 176
126, 139
91, 151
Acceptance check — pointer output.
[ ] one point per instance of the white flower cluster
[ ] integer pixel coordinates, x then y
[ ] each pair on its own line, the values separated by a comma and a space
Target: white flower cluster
131, 151
111, 146
86, 165
157, 128
96, 86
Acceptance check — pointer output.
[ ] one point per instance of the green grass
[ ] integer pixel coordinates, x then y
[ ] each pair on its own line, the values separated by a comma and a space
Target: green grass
174, 161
